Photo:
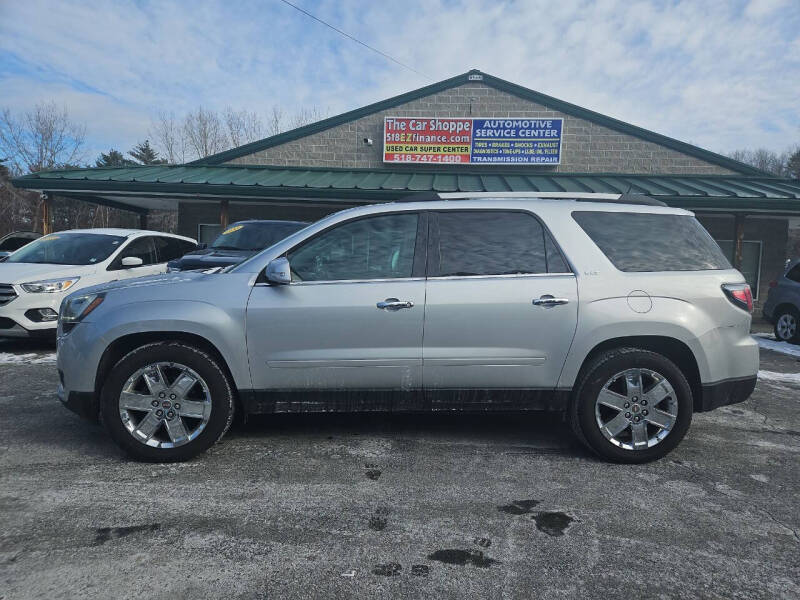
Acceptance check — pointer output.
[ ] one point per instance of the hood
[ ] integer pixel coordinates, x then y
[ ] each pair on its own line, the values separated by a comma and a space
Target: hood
142, 282
210, 257
26, 272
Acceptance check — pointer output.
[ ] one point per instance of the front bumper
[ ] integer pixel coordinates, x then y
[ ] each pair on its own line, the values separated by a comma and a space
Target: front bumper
77, 359
723, 393
11, 329
84, 404
15, 321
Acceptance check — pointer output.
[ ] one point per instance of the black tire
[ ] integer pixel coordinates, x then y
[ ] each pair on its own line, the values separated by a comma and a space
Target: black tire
591, 381
780, 333
206, 366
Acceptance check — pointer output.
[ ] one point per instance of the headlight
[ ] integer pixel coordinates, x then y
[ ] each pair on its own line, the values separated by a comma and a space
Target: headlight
75, 308
50, 286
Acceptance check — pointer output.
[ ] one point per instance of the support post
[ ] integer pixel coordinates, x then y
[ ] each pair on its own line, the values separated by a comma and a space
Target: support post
738, 239
47, 214
223, 214
143, 220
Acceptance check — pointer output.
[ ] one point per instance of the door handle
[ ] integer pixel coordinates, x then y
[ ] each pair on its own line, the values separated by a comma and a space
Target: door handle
394, 304
548, 300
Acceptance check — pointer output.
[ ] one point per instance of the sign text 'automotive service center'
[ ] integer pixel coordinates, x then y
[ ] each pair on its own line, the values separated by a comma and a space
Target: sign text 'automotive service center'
472, 140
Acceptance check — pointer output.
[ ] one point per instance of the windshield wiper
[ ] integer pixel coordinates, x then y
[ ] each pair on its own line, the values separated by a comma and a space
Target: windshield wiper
225, 248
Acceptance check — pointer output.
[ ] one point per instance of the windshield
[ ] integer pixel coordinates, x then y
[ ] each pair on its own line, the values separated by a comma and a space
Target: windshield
254, 236
68, 249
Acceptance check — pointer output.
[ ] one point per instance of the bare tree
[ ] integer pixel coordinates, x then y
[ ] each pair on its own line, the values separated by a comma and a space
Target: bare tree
776, 163
43, 138
242, 127
169, 137
204, 133
793, 164
306, 115
275, 121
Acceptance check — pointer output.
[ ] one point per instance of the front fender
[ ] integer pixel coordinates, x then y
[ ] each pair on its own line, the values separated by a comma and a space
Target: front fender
221, 326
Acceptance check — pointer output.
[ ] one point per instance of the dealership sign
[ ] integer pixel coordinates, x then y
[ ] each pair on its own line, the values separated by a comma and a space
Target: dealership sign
472, 141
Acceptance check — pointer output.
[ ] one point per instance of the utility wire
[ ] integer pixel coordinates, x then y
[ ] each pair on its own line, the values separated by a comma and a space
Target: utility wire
356, 40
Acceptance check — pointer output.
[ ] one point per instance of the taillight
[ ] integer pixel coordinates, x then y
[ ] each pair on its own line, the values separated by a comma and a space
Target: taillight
773, 284
739, 294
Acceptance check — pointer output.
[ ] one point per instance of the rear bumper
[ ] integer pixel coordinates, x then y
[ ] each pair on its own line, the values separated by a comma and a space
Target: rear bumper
723, 393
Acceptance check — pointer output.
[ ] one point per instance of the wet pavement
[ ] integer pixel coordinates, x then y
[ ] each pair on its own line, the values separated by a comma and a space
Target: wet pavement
415, 506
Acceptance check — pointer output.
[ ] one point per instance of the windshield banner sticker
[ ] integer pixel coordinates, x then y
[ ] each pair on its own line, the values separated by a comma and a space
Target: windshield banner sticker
472, 141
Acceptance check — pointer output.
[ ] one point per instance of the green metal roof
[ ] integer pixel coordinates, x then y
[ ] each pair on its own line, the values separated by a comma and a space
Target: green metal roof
717, 192
497, 83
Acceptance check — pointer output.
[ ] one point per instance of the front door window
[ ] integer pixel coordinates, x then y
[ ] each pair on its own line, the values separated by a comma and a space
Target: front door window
372, 248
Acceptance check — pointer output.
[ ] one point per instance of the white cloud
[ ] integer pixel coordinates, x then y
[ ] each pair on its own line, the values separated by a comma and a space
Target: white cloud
722, 74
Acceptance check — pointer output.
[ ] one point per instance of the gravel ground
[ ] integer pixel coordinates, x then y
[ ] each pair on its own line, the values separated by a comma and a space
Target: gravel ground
442, 506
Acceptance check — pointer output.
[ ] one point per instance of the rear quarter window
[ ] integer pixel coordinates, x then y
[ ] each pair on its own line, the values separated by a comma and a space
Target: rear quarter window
646, 242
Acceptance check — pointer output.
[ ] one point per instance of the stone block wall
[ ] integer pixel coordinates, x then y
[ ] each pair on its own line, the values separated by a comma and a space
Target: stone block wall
586, 147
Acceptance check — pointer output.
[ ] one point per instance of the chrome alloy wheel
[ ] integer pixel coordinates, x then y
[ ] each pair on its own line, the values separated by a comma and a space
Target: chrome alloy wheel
786, 326
165, 405
636, 409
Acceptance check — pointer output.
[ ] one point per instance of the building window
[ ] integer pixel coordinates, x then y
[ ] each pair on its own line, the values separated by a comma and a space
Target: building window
751, 261
208, 232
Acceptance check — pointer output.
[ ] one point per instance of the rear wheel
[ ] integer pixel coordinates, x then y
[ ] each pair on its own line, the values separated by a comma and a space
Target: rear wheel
786, 326
167, 402
631, 405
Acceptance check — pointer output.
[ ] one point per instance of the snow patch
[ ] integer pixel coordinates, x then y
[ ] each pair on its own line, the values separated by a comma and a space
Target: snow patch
8, 358
779, 377
768, 342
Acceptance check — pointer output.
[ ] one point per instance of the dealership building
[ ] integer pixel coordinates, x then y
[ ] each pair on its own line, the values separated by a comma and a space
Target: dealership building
471, 133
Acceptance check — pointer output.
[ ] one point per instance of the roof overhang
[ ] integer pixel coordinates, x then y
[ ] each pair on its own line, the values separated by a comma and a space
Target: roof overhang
141, 189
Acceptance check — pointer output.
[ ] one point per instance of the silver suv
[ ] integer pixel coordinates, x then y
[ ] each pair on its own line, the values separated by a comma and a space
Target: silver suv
622, 312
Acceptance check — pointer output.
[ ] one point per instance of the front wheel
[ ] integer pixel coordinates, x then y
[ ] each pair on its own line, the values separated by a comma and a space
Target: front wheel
631, 405
167, 402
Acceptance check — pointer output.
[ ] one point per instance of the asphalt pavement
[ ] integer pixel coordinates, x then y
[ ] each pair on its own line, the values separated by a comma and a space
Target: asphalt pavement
414, 506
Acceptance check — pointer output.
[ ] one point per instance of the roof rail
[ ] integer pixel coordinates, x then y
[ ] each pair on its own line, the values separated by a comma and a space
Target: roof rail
639, 199
630, 199
421, 197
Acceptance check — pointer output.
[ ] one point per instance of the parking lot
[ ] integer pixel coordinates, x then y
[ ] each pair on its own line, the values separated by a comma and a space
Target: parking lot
426, 506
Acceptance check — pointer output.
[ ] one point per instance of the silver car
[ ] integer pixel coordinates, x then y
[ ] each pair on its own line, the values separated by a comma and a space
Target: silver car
622, 312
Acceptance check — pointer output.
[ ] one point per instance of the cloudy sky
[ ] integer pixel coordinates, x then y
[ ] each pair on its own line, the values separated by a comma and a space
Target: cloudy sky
723, 74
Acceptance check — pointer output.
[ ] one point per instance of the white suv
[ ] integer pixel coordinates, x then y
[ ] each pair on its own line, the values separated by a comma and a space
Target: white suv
36, 278
625, 315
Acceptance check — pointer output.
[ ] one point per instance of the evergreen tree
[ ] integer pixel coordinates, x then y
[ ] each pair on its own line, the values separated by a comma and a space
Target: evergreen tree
144, 154
114, 158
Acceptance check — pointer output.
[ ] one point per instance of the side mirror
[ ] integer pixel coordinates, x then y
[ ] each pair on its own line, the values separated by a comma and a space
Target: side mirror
132, 261
278, 271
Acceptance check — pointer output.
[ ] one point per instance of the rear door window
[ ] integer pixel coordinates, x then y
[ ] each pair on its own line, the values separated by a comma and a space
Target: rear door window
476, 243
794, 273
170, 248
646, 242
